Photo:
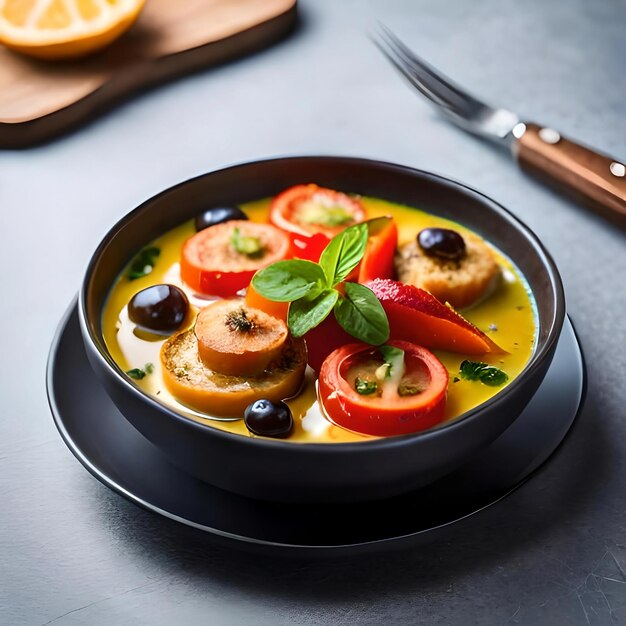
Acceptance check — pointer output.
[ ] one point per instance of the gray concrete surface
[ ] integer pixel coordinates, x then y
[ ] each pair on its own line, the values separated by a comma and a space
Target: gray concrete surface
72, 552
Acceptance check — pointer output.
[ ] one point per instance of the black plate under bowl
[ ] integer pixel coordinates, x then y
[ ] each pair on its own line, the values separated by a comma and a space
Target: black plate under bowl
121, 458
278, 470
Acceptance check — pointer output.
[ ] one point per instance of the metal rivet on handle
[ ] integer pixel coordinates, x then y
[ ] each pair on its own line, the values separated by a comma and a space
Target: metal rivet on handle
549, 135
618, 169
518, 130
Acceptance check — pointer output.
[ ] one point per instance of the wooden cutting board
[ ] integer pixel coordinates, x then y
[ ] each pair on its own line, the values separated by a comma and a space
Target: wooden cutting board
40, 100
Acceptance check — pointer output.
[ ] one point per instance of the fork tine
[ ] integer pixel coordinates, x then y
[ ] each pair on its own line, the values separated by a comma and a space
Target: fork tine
426, 78
398, 64
419, 63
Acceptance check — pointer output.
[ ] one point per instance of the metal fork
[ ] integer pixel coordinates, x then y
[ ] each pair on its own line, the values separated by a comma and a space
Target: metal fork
597, 179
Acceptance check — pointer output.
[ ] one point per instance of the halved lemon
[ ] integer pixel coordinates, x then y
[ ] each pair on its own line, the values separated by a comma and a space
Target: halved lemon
61, 29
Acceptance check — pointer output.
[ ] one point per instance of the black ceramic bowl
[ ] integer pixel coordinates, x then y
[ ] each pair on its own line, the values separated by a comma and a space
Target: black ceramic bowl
279, 470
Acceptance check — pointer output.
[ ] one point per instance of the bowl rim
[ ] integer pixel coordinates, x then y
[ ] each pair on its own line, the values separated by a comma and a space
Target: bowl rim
539, 355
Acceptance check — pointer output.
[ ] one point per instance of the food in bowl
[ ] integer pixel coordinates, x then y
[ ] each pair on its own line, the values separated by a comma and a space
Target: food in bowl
320, 277
454, 268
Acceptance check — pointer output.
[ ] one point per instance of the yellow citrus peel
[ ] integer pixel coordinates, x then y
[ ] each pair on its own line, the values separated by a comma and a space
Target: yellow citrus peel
62, 29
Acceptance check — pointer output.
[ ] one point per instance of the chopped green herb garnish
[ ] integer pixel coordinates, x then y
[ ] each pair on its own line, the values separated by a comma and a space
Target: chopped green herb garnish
456, 379
138, 374
493, 376
321, 215
483, 372
365, 387
143, 263
311, 289
245, 244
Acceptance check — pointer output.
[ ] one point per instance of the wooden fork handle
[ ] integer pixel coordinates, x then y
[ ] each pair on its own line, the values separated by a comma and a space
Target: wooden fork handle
596, 179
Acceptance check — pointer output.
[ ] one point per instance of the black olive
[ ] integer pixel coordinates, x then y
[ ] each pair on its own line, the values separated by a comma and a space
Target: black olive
160, 308
268, 419
442, 242
217, 215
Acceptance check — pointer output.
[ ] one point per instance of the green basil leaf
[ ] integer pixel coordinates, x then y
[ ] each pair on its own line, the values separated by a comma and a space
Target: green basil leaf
286, 281
361, 314
343, 253
306, 313
136, 373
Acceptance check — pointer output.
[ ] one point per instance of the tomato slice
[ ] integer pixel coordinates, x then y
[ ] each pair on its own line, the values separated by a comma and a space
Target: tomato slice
312, 216
222, 259
409, 404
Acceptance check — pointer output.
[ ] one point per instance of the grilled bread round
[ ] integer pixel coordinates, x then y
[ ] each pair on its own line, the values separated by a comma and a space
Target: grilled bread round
460, 283
189, 380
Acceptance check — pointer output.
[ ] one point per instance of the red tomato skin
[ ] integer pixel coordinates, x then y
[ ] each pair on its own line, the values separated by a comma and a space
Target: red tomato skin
210, 280
222, 284
346, 408
307, 244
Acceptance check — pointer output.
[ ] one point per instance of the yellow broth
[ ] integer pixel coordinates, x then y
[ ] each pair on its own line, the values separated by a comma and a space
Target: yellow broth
507, 315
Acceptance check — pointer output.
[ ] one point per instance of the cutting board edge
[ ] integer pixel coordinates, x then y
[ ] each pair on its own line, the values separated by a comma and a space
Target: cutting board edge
29, 133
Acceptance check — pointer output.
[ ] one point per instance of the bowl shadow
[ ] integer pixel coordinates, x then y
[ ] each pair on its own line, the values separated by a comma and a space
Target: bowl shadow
560, 493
